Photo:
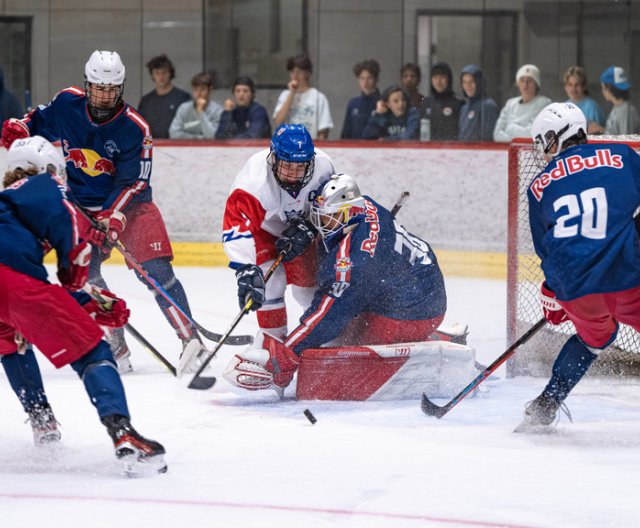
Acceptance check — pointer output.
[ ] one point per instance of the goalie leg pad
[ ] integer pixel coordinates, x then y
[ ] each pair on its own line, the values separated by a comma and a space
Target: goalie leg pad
271, 365
385, 372
247, 370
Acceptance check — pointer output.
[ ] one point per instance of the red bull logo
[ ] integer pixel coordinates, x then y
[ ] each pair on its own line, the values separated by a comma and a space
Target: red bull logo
573, 164
89, 161
369, 245
343, 265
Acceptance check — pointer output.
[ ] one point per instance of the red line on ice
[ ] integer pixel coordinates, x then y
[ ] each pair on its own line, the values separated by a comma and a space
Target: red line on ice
294, 509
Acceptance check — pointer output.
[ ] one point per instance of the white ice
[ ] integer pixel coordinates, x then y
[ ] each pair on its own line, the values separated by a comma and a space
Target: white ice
240, 459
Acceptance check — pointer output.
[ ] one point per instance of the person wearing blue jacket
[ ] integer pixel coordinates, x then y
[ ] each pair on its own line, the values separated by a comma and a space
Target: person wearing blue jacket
479, 112
9, 104
243, 117
394, 119
362, 107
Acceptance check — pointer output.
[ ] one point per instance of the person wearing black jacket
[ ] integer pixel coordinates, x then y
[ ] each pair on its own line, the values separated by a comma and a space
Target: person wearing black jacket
442, 107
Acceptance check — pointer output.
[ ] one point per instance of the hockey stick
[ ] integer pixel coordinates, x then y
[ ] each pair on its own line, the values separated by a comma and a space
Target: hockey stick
431, 409
403, 198
130, 328
232, 340
199, 382
153, 350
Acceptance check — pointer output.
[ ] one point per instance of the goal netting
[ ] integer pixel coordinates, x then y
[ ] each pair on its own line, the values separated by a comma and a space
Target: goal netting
524, 276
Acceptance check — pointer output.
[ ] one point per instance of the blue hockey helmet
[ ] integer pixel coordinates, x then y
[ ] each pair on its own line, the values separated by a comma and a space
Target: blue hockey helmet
292, 144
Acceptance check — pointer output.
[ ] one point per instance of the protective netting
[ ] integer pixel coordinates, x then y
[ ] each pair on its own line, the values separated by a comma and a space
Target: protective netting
536, 357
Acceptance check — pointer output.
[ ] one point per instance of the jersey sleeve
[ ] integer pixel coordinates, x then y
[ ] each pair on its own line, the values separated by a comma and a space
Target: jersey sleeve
334, 305
43, 119
133, 166
243, 239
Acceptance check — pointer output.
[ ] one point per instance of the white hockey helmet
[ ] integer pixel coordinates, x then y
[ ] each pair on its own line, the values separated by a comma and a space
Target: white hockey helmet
104, 75
339, 203
104, 67
558, 124
35, 152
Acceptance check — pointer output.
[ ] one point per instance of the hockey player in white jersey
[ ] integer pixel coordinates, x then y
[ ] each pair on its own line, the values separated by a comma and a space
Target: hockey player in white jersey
271, 196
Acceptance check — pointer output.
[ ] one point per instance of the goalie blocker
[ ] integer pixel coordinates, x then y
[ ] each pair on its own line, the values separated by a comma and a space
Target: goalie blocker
357, 373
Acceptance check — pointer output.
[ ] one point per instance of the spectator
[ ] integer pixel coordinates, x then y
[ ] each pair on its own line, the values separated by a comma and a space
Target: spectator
623, 118
159, 106
410, 76
362, 107
479, 113
394, 118
442, 107
9, 104
575, 84
302, 104
518, 113
197, 119
243, 118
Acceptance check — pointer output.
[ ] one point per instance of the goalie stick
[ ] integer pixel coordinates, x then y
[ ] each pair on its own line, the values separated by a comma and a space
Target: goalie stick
199, 382
431, 409
212, 336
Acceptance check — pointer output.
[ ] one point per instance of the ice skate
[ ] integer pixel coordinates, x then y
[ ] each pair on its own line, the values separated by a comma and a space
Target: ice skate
541, 415
456, 333
120, 349
193, 355
44, 425
140, 456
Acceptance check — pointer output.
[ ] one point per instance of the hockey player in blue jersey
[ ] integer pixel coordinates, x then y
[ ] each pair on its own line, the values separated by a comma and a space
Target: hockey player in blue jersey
377, 284
108, 151
581, 211
37, 213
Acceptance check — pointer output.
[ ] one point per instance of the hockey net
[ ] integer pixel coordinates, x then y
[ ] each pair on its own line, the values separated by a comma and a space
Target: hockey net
524, 276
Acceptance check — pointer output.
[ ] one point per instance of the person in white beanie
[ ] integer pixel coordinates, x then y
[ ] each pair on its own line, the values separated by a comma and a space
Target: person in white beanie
518, 113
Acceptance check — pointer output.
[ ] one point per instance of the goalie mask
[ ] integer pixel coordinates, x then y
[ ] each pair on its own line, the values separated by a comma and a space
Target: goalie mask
292, 157
338, 204
104, 84
557, 127
35, 153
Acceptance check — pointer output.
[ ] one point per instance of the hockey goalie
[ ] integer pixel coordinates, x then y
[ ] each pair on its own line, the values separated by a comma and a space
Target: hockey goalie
372, 330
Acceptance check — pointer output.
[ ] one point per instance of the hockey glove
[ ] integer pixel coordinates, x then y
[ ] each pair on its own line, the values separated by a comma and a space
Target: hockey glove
107, 309
112, 224
13, 129
75, 275
295, 239
250, 286
553, 312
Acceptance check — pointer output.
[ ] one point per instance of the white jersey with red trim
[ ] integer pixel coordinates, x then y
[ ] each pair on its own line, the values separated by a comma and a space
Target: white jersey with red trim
258, 209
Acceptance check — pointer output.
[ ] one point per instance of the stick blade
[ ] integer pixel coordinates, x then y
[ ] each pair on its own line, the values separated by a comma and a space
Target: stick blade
202, 383
239, 340
431, 409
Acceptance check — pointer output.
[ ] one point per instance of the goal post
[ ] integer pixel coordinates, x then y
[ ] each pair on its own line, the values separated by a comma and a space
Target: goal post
524, 276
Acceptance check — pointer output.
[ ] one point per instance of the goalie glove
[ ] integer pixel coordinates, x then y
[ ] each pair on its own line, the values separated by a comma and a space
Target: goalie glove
106, 308
295, 239
76, 274
553, 312
13, 129
111, 225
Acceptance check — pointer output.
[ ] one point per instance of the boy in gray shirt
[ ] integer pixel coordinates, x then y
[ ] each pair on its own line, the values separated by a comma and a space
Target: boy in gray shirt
624, 118
199, 118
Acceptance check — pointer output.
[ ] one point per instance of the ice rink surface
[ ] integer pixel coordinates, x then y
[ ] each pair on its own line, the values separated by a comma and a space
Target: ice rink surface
240, 459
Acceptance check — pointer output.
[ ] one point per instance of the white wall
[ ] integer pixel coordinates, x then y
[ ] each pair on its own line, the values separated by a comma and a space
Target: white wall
458, 196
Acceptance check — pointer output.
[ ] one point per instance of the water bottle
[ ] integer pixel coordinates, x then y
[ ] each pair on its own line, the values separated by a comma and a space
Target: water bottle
425, 129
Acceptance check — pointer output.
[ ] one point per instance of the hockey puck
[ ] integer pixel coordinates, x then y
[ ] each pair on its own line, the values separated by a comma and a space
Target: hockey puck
310, 416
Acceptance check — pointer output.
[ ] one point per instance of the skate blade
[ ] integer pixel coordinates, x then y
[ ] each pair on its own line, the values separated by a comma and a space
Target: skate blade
535, 429
135, 467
